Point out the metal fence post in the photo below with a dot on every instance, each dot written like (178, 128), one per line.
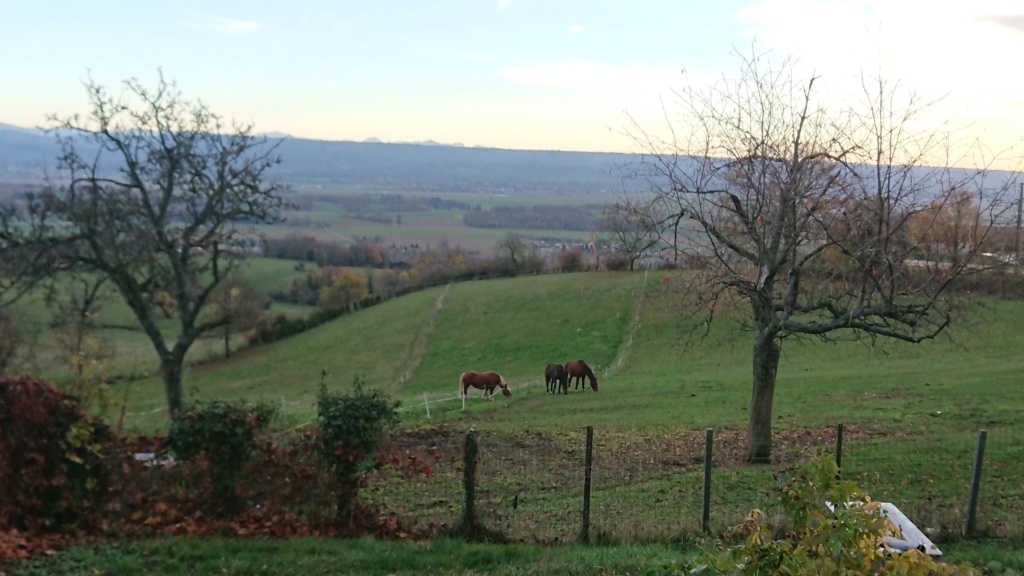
(972, 506)
(839, 451)
(709, 440)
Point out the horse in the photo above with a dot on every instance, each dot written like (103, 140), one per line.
(555, 377)
(486, 381)
(577, 369)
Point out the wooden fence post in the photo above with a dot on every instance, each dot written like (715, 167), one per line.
(709, 440)
(972, 506)
(585, 532)
(469, 460)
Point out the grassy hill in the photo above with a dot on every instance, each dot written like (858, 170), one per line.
(911, 412)
(416, 346)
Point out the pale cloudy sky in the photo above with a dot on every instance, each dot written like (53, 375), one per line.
(527, 74)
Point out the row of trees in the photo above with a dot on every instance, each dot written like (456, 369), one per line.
(553, 217)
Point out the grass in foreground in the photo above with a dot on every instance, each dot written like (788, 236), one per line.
(305, 556)
(302, 556)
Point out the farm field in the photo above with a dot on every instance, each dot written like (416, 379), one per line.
(327, 219)
(911, 413)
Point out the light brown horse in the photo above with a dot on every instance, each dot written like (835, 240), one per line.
(577, 369)
(486, 381)
(555, 378)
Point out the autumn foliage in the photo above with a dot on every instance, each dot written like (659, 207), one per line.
(64, 475)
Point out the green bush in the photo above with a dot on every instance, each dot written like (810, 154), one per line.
(351, 429)
(223, 434)
(817, 540)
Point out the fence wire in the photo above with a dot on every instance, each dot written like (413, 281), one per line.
(649, 485)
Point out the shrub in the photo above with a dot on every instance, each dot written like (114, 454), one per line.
(351, 429)
(51, 468)
(817, 541)
(223, 433)
(571, 260)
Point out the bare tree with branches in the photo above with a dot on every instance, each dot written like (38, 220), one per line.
(634, 227)
(157, 194)
(801, 216)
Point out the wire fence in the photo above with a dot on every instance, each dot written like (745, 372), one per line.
(650, 486)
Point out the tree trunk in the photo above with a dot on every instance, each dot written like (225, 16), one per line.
(170, 369)
(759, 432)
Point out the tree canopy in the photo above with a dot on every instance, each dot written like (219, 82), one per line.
(816, 219)
(157, 194)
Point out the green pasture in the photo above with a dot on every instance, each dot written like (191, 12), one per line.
(129, 352)
(911, 413)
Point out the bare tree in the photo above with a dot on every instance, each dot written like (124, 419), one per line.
(513, 250)
(156, 194)
(634, 226)
(801, 214)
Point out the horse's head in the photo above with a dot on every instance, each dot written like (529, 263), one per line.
(593, 382)
(504, 388)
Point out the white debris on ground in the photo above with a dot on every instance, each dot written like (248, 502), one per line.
(909, 536)
(151, 459)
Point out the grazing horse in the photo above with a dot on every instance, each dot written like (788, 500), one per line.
(486, 381)
(577, 369)
(555, 377)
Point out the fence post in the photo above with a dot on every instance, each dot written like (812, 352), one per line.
(709, 440)
(469, 461)
(427, 404)
(585, 532)
(972, 506)
(839, 452)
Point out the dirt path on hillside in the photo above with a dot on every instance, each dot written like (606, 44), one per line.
(419, 345)
(628, 344)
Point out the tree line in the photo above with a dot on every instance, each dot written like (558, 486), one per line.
(547, 217)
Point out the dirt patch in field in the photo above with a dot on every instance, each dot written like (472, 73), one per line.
(665, 451)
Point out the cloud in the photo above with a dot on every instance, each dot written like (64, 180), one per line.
(583, 74)
(576, 30)
(225, 25)
(1014, 22)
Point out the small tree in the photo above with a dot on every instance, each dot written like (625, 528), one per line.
(156, 194)
(345, 286)
(351, 429)
(633, 226)
(513, 251)
(240, 303)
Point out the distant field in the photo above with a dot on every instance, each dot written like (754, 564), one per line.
(328, 220)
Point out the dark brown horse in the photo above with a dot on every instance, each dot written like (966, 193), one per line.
(577, 369)
(555, 377)
(486, 381)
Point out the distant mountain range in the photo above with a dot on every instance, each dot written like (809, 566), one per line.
(27, 155)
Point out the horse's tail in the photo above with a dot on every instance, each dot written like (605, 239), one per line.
(462, 384)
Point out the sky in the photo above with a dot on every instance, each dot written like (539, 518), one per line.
(519, 74)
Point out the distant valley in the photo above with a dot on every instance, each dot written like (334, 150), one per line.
(28, 155)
